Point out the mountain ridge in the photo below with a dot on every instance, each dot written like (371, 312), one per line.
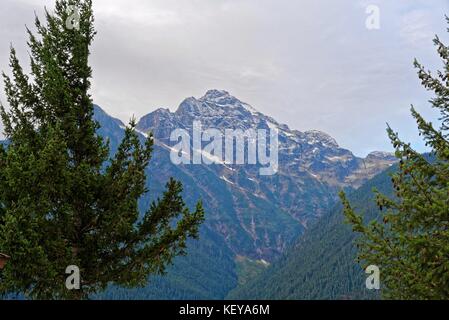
(249, 217)
(219, 109)
(312, 168)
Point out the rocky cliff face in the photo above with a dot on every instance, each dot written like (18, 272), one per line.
(256, 216)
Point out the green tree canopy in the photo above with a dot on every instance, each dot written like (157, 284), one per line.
(410, 243)
(63, 200)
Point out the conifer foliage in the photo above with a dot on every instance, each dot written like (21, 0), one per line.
(63, 200)
(410, 243)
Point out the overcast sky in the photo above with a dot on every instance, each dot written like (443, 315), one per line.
(311, 64)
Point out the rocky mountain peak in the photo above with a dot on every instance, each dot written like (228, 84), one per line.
(380, 155)
(221, 98)
(189, 106)
(314, 152)
(214, 94)
(319, 137)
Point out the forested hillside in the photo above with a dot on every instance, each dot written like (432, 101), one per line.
(322, 264)
(194, 276)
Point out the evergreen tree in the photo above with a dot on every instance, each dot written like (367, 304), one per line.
(410, 243)
(63, 201)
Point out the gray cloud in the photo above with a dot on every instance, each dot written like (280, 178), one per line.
(311, 64)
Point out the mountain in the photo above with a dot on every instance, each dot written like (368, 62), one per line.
(263, 214)
(208, 271)
(322, 263)
(251, 219)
